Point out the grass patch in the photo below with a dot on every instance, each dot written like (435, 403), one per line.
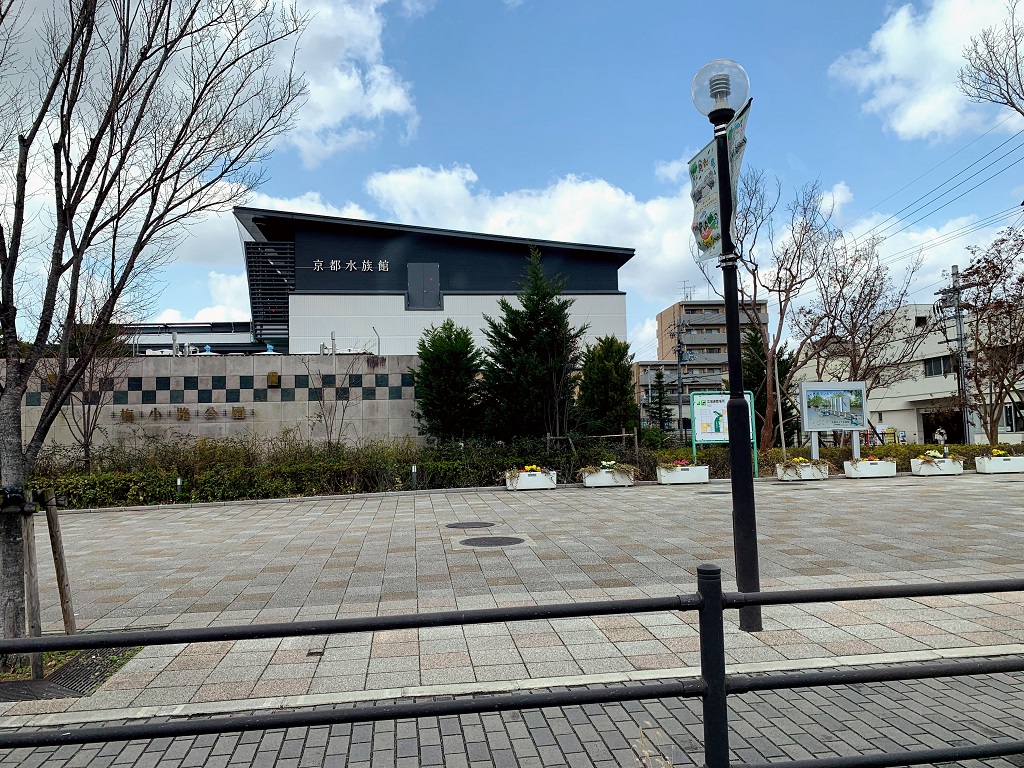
(52, 661)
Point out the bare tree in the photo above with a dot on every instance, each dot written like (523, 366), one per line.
(994, 327)
(857, 328)
(105, 373)
(778, 266)
(331, 399)
(126, 120)
(994, 69)
(107, 369)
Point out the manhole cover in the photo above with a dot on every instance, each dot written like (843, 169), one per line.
(464, 526)
(491, 541)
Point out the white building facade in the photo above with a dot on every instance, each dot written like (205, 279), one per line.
(920, 405)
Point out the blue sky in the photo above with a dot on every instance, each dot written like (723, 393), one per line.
(569, 119)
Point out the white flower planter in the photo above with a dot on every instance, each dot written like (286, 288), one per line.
(936, 467)
(680, 475)
(866, 468)
(803, 472)
(997, 465)
(531, 481)
(605, 478)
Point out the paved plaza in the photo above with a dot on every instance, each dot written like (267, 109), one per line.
(240, 563)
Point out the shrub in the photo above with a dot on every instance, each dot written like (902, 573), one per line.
(146, 471)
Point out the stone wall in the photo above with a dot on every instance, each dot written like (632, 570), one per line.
(219, 396)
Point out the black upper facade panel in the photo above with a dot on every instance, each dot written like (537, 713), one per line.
(335, 255)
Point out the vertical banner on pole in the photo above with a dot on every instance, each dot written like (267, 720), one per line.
(704, 191)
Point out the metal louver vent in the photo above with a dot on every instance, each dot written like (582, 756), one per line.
(271, 270)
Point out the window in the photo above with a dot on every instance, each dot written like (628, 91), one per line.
(714, 350)
(920, 321)
(1013, 418)
(938, 366)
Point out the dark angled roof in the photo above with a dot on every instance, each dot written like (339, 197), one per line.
(268, 225)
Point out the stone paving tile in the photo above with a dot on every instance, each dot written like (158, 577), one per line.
(379, 555)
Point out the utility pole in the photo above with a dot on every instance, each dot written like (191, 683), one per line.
(951, 299)
(677, 331)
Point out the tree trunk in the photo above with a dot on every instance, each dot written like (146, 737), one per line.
(991, 425)
(767, 438)
(12, 545)
(12, 580)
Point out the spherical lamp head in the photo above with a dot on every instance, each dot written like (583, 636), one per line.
(719, 85)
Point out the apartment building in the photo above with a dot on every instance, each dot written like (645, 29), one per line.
(695, 329)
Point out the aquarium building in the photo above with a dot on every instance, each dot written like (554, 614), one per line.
(319, 284)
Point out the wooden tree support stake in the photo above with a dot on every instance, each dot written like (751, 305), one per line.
(32, 612)
(48, 499)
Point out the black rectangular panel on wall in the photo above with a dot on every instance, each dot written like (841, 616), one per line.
(424, 287)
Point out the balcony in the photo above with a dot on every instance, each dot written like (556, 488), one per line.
(718, 318)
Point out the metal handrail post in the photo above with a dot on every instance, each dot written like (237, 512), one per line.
(712, 667)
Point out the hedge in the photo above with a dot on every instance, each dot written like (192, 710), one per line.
(253, 468)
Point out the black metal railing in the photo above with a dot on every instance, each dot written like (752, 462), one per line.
(713, 686)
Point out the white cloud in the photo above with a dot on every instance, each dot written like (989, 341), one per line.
(571, 209)
(836, 199)
(643, 339)
(416, 8)
(909, 68)
(309, 202)
(671, 170)
(351, 89)
(230, 294)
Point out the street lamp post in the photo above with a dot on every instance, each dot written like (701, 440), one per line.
(719, 89)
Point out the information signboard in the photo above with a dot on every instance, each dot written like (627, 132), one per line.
(833, 406)
(709, 419)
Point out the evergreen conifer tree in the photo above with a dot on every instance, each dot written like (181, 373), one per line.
(447, 382)
(658, 413)
(607, 398)
(532, 366)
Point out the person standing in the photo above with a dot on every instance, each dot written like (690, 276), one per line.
(940, 436)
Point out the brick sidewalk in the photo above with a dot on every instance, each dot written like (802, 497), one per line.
(794, 724)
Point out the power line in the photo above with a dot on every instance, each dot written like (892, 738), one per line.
(937, 165)
(936, 188)
(953, 234)
(949, 236)
(926, 245)
(959, 197)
